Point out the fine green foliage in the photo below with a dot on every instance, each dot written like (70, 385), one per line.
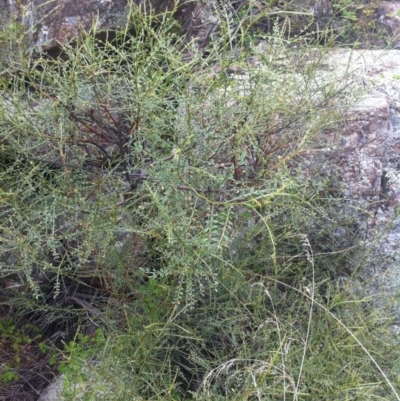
(358, 24)
(164, 200)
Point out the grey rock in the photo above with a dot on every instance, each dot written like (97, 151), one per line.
(53, 391)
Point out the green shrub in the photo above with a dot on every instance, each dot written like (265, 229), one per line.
(165, 201)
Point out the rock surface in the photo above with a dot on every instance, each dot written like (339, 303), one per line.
(363, 158)
(53, 391)
(51, 23)
(371, 172)
(388, 14)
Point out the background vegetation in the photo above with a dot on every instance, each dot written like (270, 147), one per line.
(159, 237)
